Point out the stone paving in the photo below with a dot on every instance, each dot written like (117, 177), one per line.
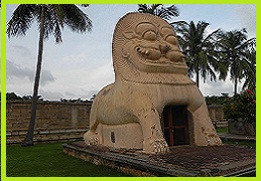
(210, 161)
(225, 160)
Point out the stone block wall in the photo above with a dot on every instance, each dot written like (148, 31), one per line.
(55, 121)
(59, 121)
(216, 114)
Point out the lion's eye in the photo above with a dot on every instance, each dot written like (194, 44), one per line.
(150, 36)
(172, 40)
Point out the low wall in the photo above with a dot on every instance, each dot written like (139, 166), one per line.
(59, 121)
(54, 121)
(216, 114)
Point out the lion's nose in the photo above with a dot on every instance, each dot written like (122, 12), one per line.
(163, 48)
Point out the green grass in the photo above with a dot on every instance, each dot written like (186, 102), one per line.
(48, 160)
(222, 130)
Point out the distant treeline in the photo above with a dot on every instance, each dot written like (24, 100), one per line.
(14, 97)
(218, 100)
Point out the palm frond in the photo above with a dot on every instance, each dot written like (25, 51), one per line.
(143, 8)
(21, 20)
(67, 15)
(75, 19)
(168, 12)
(55, 18)
(159, 10)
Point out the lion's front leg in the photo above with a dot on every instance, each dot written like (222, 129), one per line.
(156, 146)
(153, 140)
(92, 138)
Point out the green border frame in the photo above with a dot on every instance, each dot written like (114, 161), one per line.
(3, 82)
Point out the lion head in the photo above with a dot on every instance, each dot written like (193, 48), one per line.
(146, 50)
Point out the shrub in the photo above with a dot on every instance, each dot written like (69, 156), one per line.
(242, 106)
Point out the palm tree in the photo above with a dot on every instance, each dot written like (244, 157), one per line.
(250, 72)
(238, 52)
(199, 49)
(159, 10)
(51, 19)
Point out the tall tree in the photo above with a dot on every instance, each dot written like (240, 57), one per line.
(51, 19)
(159, 10)
(199, 49)
(239, 52)
(250, 72)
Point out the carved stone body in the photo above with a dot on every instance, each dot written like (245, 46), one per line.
(150, 74)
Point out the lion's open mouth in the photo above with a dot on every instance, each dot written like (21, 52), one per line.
(154, 55)
(149, 53)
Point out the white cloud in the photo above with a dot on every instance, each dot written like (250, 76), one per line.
(21, 50)
(20, 54)
(247, 15)
(79, 82)
(16, 71)
(49, 95)
(210, 88)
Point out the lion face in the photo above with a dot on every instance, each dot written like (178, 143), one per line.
(153, 48)
(157, 46)
(146, 50)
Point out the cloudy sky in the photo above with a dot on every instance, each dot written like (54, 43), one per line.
(82, 64)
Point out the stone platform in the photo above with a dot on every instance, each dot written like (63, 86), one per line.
(225, 160)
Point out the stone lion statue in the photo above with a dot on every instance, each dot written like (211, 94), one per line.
(150, 74)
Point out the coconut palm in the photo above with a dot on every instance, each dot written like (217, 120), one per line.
(239, 53)
(51, 19)
(250, 72)
(159, 10)
(199, 49)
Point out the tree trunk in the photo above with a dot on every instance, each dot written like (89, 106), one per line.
(28, 141)
(235, 86)
(197, 77)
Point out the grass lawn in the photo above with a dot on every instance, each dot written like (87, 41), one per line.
(222, 130)
(48, 160)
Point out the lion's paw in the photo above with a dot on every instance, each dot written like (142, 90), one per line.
(157, 146)
(91, 138)
(94, 140)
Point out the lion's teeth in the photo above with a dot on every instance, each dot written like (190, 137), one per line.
(143, 51)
